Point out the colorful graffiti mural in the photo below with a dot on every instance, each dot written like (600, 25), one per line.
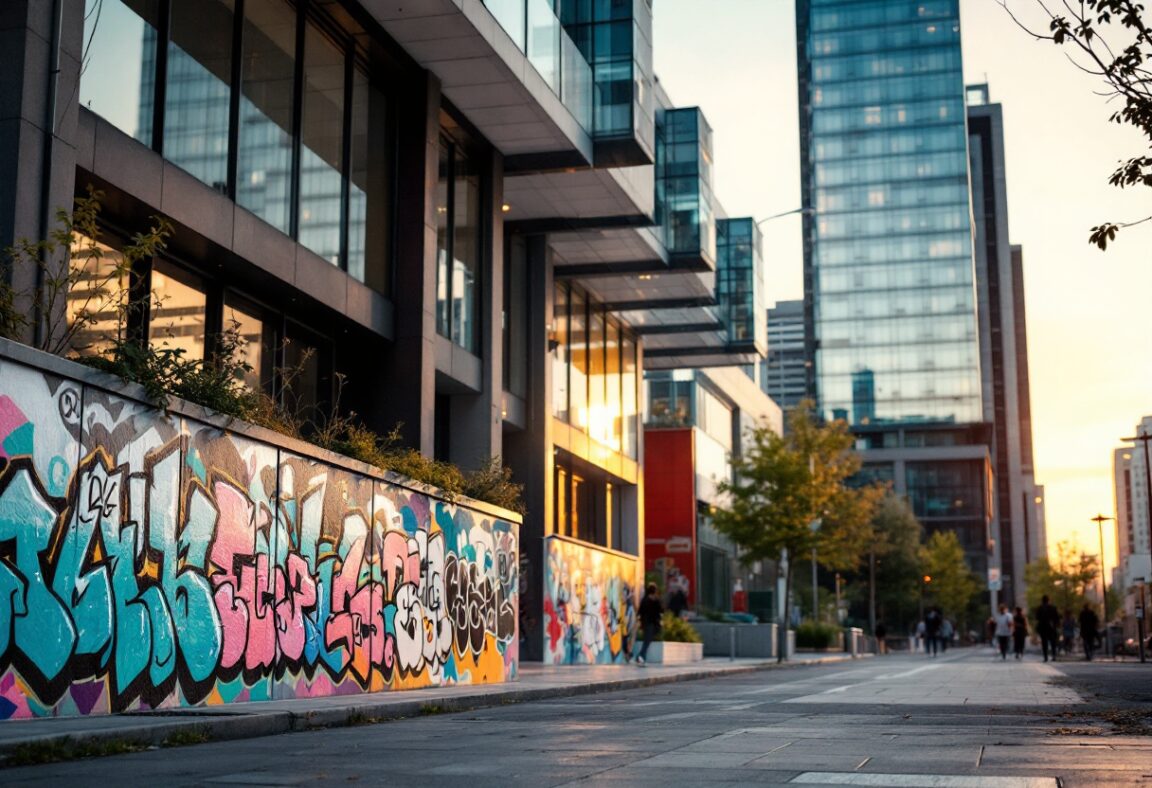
(149, 560)
(589, 604)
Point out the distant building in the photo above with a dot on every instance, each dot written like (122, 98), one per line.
(784, 376)
(913, 297)
(1130, 483)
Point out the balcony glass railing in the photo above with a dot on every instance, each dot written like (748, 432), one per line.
(537, 32)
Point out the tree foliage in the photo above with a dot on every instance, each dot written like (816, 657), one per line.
(896, 541)
(784, 485)
(952, 585)
(1110, 40)
(1066, 583)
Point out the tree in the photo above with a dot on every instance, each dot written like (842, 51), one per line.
(1067, 583)
(896, 535)
(947, 579)
(1110, 39)
(788, 495)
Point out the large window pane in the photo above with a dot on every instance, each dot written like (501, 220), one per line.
(178, 311)
(578, 337)
(613, 407)
(370, 187)
(99, 291)
(250, 327)
(198, 89)
(119, 77)
(516, 318)
(322, 145)
(599, 422)
(466, 254)
(560, 355)
(264, 175)
(628, 384)
(443, 237)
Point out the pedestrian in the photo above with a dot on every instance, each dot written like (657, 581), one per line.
(947, 632)
(1003, 630)
(881, 633)
(1048, 627)
(1089, 624)
(932, 631)
(650, 612)
(1019, 632)
(1068, 629)
(678, 602)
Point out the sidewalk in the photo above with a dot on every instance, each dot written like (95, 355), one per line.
(61, 738)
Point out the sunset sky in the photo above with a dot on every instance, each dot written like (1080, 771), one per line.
(1089, 338)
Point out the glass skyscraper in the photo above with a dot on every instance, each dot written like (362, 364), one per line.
(890, 298)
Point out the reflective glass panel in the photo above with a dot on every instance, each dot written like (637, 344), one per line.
(466, 254)
(178, 311)
(250, 327)
(560, 356)
(443, 237)
(578, 380)
(268, 68)
(119, 77)
(198, 89)
(370, 187)
(99, 289)
(322, 145)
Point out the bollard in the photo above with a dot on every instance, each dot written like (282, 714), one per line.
(731, 643)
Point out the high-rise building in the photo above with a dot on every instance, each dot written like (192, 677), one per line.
(783, 371)
(1133, 507)
(914, 324)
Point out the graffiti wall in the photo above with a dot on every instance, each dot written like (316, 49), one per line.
(590, 602)
(151, 560)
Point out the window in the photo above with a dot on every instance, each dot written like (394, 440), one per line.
(296, 130)
(578, 370)
(458, 239)
(99, 289)
(516, 318)
(198, 89)
(560, 354)
(268, 68)
(246, 320)
(118, 81)
(178, 311)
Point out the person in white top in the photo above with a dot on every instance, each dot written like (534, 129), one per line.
(1004, 626)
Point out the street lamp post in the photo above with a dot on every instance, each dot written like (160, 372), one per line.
(1100, 520)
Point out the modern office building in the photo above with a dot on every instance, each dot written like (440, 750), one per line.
(1130, 477)
(480, 221)
(783, 371)
(908, 339)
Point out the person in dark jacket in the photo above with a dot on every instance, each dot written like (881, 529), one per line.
(1048, 626)
(1019, 632)
(650, 612)
(1089, 624)
(678, 602)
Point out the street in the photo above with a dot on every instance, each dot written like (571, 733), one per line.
(962, 719)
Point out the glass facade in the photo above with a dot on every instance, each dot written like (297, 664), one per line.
(890, 269)
(740, 285)
(458, 247)
(684, 184)
(611, 38)
(279, 139)
(594, 372)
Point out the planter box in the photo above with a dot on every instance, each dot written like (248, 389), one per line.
(675, 653)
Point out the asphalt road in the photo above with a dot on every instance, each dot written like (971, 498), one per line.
(962, 719)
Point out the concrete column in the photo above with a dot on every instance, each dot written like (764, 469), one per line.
(529, 452)
(475, 419)
(411, 390)
(41, 44)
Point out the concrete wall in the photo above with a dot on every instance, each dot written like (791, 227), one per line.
(156, 559)
(590, 601)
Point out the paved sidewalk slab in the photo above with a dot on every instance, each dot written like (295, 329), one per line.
(268, 718)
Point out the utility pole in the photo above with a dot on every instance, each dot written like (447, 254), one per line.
(1100, 520)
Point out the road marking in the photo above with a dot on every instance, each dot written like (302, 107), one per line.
(922, 780)
(908, 673)
(860, 765)
(838, 689)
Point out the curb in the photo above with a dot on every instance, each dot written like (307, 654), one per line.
(144, 730)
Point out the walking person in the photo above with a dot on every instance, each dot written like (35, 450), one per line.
(650, 612)
(1003, 630)
(1089, 626)
(1068, 628)
(932, 623)
(947, 632)
(1019, 632)
(1048, 627)
(881, 633)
